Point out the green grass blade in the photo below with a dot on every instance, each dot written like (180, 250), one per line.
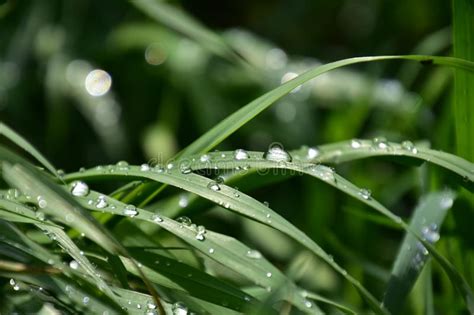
(463, 34)
(25, 145)
(239, 118)
(227, 196)
(412, 256)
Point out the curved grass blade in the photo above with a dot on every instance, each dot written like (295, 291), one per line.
(56, 202)
(234, 200)
(226, 250)
(239, 118)
(346, 151)
(25, 145)
(412, 256)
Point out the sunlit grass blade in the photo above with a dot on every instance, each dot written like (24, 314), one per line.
(412, 256)
(25, 145)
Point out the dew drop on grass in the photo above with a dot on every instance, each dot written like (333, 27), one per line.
(201, 230)
(144, 167)
(122, 166)
(85, 300)
(277, 154)
(409, 146)
(364, 193)
(79, 189)
(183, 201)
(430, 233)
(380, 143)
(130, 211)
(205, 158)
(179, 309)
(269, 274)
(42, 203)
(98, 82)
(170, 166)
(184, 220)
(324, 172)
(156, 218)
(290, 76)
(312, 153)
(214, 186)
(308, 303)
(211, 250)
(356, 144)
(101, 202)
(241, 154)
(74, 264)
(185, 169)
(254, 254)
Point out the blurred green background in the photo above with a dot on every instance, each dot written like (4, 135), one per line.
(168, 89)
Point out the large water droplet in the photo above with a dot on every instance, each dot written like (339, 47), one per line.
(130, 211)
(214, 186)
(184, 220)
(122, 166)
(79, 189)
(290, 76)
(277, 154)
(364, 193)
(98, 82)
(101, 202)
(240, 154)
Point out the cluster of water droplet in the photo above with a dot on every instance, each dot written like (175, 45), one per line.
(200, 230)
(431, 235)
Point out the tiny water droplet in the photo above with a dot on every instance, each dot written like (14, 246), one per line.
(144, 167)
(201, 230)
(312, 153)
(380, 143)
(241, 154)
(185, 169)
(86, 300)
(409, 146)
(42, 203)
(213, 185)
(430, 234)
(130, 211)
(269, 274)
(183, 201)
(205, 158)
(179, 308)
(277, 154)
(79, 189)
(184, 220)
(308, 304)
(211, 250)
(254, 254)
(101, 202)
(356, 144)
(364, 193)
(74, 264)
(156, 218)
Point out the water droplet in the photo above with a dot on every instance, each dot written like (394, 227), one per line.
(214, 186)
(179, 309)
(364, 193)
(101, 202)
(422, 248)
(169, 166)
(86, 300)
(308, 304)
(98, 82)
(290, 76)
(254, 254)
(430, 233)
(150, 306)
(409, 146)
(184, 220)
(205, 158)
(42, 203)
(144, 167)
(74, 264)
(277, 154)
(158, 169)
(122, 166)
(269, 274)
(156, 218)
(201, 230)
(356, 144)
(185, 169)
(380, 143)
(130, 211)
(79, 189)
(183, 201)
(446, 202)
(312, 153)
(211, 250)
(324, 172)
(240, 154)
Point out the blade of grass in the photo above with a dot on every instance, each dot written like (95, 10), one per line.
(411, 258)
